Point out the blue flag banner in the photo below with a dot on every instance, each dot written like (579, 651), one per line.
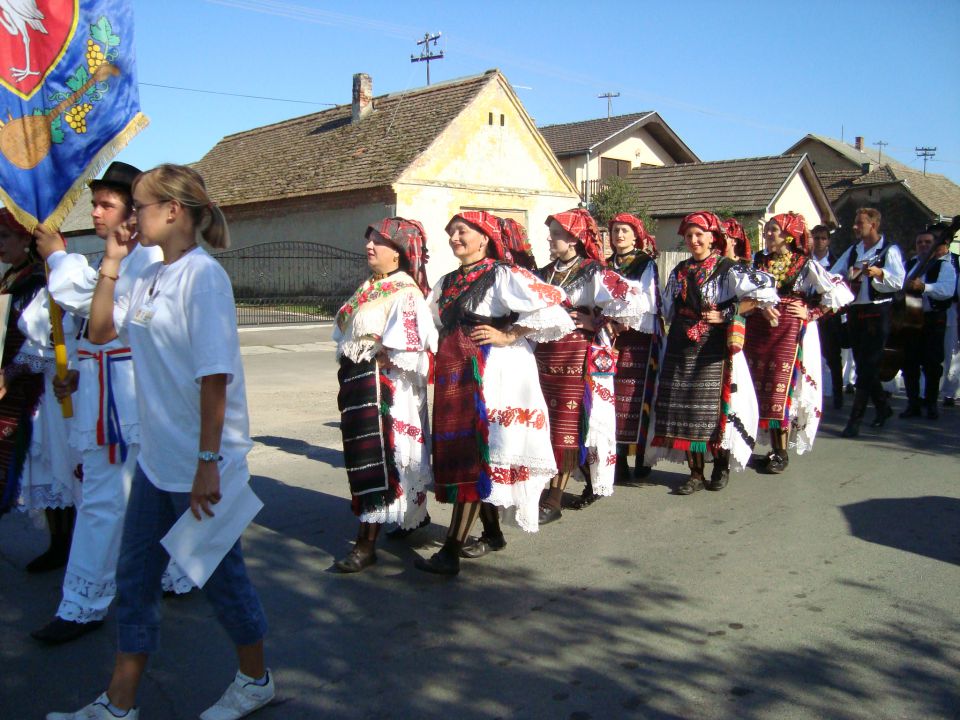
(68, 100)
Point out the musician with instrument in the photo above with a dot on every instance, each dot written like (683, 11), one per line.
(874, 269)
(930, 277)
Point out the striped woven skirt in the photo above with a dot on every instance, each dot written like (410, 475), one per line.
(364, 400)
(561, 367)
(771, 354)
(633, 387)
(690, 389)
(16, 428)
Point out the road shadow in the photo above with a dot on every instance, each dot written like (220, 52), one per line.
(330, 456)
(928, 526)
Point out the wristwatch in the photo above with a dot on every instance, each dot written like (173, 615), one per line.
(209, 456)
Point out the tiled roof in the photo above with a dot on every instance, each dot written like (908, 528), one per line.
(836, 182)
(858, 157)
(578, 137)
(325, 152)
(744, 185)
(936, 192)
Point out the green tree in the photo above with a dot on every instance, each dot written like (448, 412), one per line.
(617, 196)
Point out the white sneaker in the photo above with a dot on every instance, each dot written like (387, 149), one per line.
(240, 699)
(97, 710)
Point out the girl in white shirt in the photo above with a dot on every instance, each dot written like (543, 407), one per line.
(180, 322)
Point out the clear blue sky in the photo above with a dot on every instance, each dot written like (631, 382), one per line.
(733, 79)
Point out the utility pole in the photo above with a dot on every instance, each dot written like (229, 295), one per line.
(926, 153)
(425, 55)
(609, 97)
(880, 144)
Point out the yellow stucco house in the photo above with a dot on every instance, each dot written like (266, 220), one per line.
(424, 154)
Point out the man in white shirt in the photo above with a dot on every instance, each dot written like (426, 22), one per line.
(874, 269)
(931, 277)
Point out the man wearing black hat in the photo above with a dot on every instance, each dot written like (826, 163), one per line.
(105, 431)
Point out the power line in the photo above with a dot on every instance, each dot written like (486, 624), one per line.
(249, 97)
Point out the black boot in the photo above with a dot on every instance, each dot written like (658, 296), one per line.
(60, 524)
(883, 414)
(912, 411)
(446, 561)
(720, 475)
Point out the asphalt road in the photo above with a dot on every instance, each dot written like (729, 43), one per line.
(831, 591)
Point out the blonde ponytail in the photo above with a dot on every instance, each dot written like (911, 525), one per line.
(186, 186)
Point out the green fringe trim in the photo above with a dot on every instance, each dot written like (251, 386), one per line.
(698, 447)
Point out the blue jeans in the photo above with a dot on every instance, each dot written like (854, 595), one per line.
(150, 514)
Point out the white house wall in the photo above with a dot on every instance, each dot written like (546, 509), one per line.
(797, 197)
(638, 148)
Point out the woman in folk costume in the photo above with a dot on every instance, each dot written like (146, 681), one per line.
(576, 371)
(737, 245)
(634, 254)
(784, 354)
(491, 438)
(37, 467)
(705, 400)
(384, 335)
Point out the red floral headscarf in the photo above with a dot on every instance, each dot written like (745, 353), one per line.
(707, 221)
(408, 238)
(741, 241)
(644, 241)
(579, 223)
(517, 245)
(795, 227)
(486, 223)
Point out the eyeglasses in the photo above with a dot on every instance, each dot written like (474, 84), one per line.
(137, 207)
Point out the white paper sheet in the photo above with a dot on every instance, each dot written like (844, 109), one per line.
(198, 546)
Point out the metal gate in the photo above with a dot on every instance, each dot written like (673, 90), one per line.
(288, 282)
(291, 282)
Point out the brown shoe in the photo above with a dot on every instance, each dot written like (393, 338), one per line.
(355, 561)
(692, 485)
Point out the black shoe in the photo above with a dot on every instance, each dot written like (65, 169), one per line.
(586, 499)
(443, 562)
(719, 478)
(549, 515)
(932, 412)
(399, 533)
(852, 429)
(59, 631)
(691, 486)
(356, 560)
(883, 413)
(483, 545)
(850, 389)
(912, 411)
(642, 472)
(776, 463)
(621, 473)
(52, 559)
(949, 402)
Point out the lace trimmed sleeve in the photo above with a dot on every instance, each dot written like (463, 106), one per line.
(538, 304)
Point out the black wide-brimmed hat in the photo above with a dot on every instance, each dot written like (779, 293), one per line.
(119, 175)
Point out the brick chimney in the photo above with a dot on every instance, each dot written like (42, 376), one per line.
(857, 141)
(362, 96)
